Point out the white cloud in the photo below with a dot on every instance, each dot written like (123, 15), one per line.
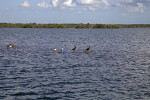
(105, 2)
(69, 3)
(91, 5)
(130, 5)
(55, 3)
(138, 8)
(120, 3)
(123, 1)
(87, 2)
(128, 1)
(94, 5)
(141, 7)
(43, 5)
(25, 4)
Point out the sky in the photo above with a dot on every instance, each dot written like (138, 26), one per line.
(75, 11)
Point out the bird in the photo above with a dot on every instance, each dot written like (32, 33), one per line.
(62, 50)
(55, 51)
(10, 45)
(74, 49)
(87, 50)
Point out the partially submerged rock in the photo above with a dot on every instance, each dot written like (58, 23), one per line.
(87, 52)
(10, 45)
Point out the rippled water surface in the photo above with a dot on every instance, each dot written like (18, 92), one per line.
(118, 67)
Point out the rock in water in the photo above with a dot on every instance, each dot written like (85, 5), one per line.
(87, 51)
(10, 45)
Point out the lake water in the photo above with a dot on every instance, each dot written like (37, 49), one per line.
(118, 67)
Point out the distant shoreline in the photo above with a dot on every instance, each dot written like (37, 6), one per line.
(81, 25)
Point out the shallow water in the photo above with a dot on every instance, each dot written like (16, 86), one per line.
(118, 67)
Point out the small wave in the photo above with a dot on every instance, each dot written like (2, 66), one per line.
(49, 98)
(99, 57)
(70, 83)
(147, 94)
(24, 93)
(2, 97)
(9, 66)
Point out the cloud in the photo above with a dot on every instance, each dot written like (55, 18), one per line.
(124, 1)
(138, 8)
(94, 5)
(91, 5)
(55, 3)
(128, 1)
(130, 5)
(25, 4)
(94, 2)
(69, 3)
(105, 4)
(120, 3)
(87, 2)
(43, 5)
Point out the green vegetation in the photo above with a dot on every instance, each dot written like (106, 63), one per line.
(81, 25)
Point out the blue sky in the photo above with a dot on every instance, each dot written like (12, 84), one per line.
(75, 11)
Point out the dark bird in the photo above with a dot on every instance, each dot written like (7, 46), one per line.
(88, 48)
(74, 48)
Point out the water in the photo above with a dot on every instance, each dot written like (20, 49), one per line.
(118, 67)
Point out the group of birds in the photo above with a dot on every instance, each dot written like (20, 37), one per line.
(86, 50)
(74, 50)
(56, 51)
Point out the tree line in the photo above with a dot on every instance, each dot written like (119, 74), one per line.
(81, 25)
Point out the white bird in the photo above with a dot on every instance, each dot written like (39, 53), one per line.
(62, 49)
(55, 51)
(10, 45)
